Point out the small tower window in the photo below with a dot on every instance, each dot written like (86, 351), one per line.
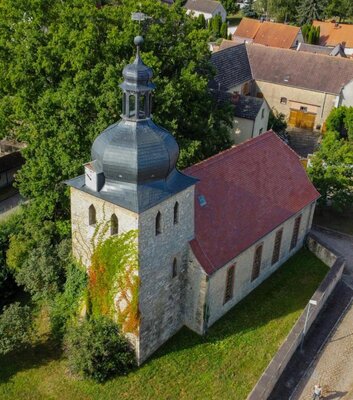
(176, 213)
(142, 106)
(158, 223)
(175, 268)
(114, 225)
(124, 103)
(92, 218)
(132, 105)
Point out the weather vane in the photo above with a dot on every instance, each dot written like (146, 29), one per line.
(140, 16)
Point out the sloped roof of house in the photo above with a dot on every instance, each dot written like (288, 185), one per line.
(206, 6)
(246, 107)
(329, 51)
(331, 33)
(299, 69)
(267, 33)
(247, 28)
(232, 67)
(249, 190)
(225, 44)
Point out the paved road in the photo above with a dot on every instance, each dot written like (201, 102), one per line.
(328, 351)
(333, 368)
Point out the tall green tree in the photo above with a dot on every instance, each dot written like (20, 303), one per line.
(310, 10)
(331, 167)
(343, 9)
(61, 64)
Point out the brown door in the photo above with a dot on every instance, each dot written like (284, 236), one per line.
(302, 119)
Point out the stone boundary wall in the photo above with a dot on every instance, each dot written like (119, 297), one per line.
(336, 262)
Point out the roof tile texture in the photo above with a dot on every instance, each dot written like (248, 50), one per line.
(268, 33)
(299, 69)
(249, 189)
(332, 34)
(207, 6)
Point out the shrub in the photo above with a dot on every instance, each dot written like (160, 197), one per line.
(65, 306)
(96, 349)
(15, 327)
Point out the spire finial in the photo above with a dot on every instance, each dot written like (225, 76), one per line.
(138, 42)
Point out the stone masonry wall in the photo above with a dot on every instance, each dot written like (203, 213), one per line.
(162, 297)
(82, 232)
(196, 292)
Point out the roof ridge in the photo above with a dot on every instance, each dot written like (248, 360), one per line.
(247, 143)
(303, 53)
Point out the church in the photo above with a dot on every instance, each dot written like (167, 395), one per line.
(206, 236)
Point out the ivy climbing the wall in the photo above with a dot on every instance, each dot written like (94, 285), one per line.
(113, 280)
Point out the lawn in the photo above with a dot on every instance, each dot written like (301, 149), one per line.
(224, 364)
(234, 20)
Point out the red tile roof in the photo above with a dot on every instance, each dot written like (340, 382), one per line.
(332, 34)
(267, 33)
(249, 190)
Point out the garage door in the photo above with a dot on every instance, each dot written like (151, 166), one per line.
(302, 119)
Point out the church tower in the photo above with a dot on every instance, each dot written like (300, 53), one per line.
(132, 183)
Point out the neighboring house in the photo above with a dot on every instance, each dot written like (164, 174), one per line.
(268, 34)
(206, 237)
(9, 165)
(337, 51)
(209, 8)
(250, 115)
(303, 86)
(332, 34)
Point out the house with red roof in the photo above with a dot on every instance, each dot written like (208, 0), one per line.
(268, 33)
(254, 206)
(205, 236)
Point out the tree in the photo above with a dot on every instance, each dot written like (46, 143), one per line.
(95, 349)
(343, 9)
(224, 31)
(231, 6)
(280, 10)
(15, 327)
(216, 23)
(61, 64)
(331, 167)
(277, 122)
(310, 10)
(311, 34)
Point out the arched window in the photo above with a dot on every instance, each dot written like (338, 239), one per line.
(158, 223)
(132, 105)
(92, 218)
(176, 213)
(175, 268)
(114, 225)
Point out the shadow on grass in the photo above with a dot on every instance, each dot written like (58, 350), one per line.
(32, 357)
(287, 291)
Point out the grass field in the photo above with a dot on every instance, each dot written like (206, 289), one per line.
(224, 364)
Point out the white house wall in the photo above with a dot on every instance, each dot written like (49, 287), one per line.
(347, 95)
(261, 122)
(242, 130)
(244, 264)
